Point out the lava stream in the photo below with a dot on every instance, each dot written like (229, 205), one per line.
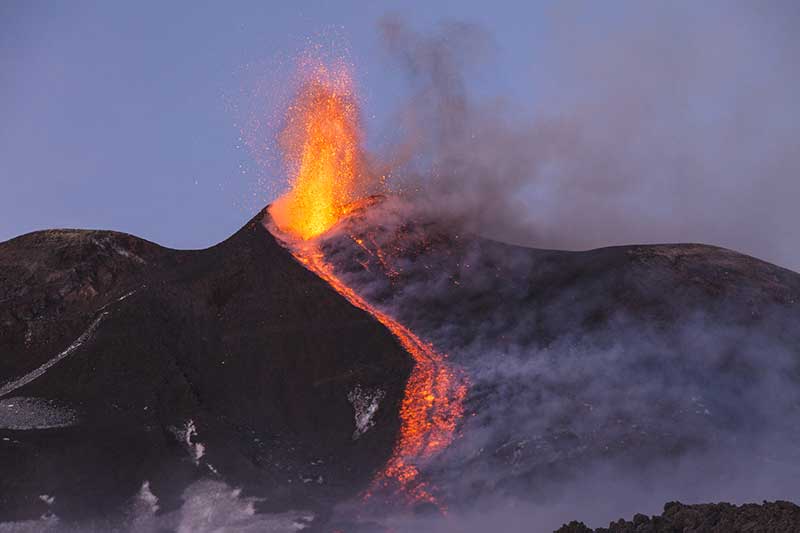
(321, 144)
(433, 401)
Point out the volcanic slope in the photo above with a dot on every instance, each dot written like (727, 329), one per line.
(668, 371)
(674, 366)
(125, 363)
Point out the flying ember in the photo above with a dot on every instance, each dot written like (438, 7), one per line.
(321, 144)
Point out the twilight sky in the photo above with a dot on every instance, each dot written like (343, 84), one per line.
(124, 115)
(128, 116)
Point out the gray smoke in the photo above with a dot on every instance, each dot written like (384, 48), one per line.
(601, 384)
(670, 122)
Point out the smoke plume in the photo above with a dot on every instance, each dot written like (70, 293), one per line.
(666, 123)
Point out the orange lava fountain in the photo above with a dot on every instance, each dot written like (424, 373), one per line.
(322, 145)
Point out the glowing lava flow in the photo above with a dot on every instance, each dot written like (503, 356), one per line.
(433, 401)
(321, 143)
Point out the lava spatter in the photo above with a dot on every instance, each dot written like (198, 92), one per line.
(321, 145)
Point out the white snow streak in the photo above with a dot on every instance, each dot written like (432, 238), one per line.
(10, 387)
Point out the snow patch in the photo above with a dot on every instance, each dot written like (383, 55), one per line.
(22, 413)
(365, 404)
(188, 436)
(127, 254)
(107, 240)
(84, 337)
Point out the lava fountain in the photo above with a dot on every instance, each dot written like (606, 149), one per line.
(321, 147)
(321, 144)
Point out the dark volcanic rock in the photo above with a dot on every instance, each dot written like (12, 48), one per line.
(669, 371)
(672, 370)
(771, 517)
(123, 362)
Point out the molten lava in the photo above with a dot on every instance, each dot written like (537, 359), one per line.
(321, 147)
(433, 401)
(321, 143)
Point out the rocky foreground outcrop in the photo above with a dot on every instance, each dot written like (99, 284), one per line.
(770, 517)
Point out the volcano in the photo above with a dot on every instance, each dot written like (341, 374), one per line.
(357, 358)
(132, 373)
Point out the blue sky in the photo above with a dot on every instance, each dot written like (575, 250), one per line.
(125, 115)
(682, 115)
